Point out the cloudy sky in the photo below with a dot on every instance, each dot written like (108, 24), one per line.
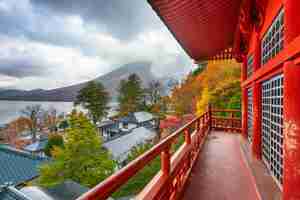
(53, 43)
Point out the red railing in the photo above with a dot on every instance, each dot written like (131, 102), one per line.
(226, 120)
(169, 182)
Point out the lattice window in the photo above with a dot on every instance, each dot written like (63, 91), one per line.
(250, 65)
(250, 114)
(273, 40)
(272, 126)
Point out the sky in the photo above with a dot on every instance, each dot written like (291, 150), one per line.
(54, 43)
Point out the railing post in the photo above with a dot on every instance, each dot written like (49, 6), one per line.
(209, 117)
(232, 121)
(166, 161)
(187, 136)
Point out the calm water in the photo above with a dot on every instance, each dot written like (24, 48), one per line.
(10, 110)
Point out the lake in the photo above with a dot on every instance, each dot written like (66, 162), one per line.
(10, 110)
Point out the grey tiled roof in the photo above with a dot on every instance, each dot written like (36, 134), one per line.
(120, 147)
(143, 116)
(69, 190)
(10, 193)
(18, 166)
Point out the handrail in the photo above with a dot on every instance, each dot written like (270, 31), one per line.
(173, 167)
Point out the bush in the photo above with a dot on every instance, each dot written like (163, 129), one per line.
(54, 140)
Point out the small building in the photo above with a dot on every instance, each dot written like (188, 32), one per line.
(138, 119)
(108, 129)
(37, 148)
(121, 147)
(18, 167)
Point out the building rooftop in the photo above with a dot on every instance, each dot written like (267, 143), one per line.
(137, 117)
(11, 193)
(36, 146)
(68, 190)
(18, 166)
(143, 116)
(120, 147)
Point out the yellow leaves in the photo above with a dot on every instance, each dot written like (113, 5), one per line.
(203, 101)
(216, 76)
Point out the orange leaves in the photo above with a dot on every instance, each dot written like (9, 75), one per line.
(195, 92)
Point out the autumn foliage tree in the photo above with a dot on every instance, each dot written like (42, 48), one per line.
(216, 83)
(54, 140)
(82, 159)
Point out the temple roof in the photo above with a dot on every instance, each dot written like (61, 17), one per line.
(204, 28)
(18, 166)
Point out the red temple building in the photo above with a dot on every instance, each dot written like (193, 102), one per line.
(263, 35)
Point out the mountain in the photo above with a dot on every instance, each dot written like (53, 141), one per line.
(110, 81)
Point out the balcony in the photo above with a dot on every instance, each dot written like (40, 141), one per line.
(212, 163)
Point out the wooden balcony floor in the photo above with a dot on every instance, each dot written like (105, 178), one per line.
(221, 172)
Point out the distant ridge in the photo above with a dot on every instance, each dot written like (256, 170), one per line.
(110, 81)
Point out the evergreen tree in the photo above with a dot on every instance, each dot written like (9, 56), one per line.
(63, 125)
(83, 159)
(131, 95)
(94, 98)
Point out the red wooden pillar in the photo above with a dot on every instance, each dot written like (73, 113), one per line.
(244, 99)
(244, 112)
(291, 103)
(244, 69)
(257, 52)
(256, 138)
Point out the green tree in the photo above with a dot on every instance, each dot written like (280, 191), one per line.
(82, 160)
(94, 98)
(64, 124)
(141, 179)
(131, 95)
(54, 140)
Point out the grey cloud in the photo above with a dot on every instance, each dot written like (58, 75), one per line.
(112, 33)
(21, 68)
(121, 18)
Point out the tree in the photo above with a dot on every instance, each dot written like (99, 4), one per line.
(51, 119)
(54, 140)
(131, 95)
(82, 160)
(142, 178)
(63, 125)
(34, 113)
(213, 83)
(16, 127)
(154, 91)
(94, 98)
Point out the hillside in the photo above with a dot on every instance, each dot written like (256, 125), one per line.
(110, 81)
